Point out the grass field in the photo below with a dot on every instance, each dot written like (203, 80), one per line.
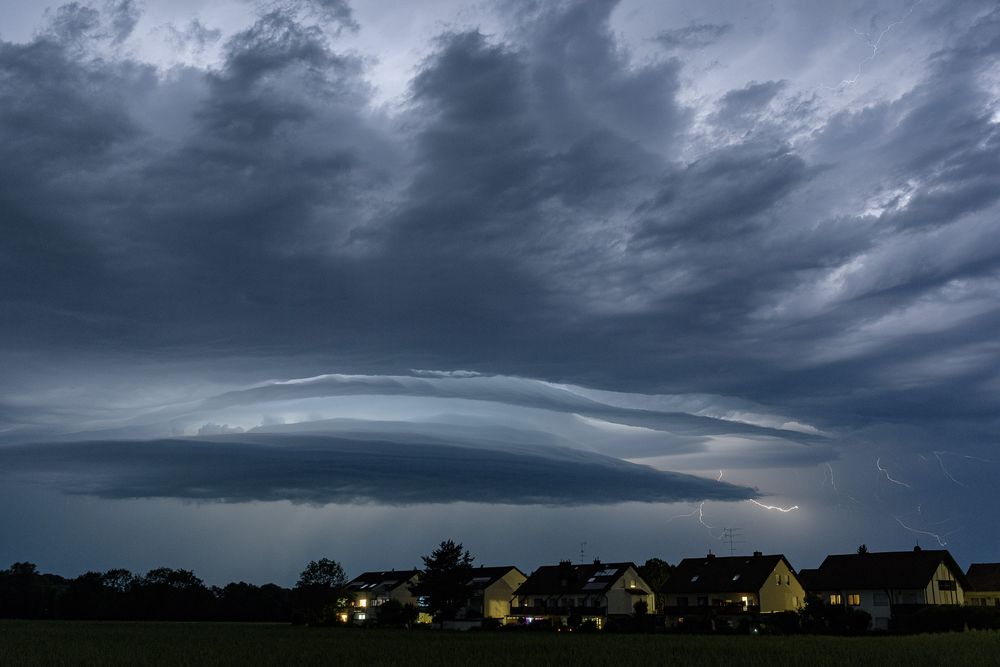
(80, 643)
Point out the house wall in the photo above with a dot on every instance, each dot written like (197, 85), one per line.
(497, 596)
(621, 602)
(673, 599)
(982, 598)
(933, 593)
(776, 595)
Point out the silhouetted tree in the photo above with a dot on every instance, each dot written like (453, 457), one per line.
(172, 595)
(394, 614)
(863, 549)
(445, 580)
(320, 593)
(655, 572)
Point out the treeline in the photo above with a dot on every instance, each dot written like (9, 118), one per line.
(162, 594)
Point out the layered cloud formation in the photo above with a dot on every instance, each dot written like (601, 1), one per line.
(752, 239)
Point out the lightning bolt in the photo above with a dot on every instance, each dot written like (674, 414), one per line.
(684, 516)
(878, 465)
(947, 474)
(874, 44)
(701, 520)
(783, 510)
(937, 537)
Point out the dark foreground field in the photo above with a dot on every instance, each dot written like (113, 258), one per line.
(83, 643)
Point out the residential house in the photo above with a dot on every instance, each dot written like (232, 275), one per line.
(984, 585)
(888, 582)
(730, 585)
(492, 590)
(568, 594)
(370, 590)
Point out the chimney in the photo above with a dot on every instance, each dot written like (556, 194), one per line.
(597, 561)
(917, 548)
(710, 555)
(757, 554)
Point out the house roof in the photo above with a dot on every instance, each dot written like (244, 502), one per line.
(380, 582)
(484, 577)
(566, 578)
(882, 570)
(722, 574)
(984, 577)
(807, 577)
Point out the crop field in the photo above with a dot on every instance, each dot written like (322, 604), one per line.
(111, 643)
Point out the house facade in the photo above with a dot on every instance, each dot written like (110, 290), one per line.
(568, 594)
(984, 585)
(492, 591)
(884, 583)
(730, 585)
(370, 590)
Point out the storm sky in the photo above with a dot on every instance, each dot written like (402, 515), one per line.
(283, 280)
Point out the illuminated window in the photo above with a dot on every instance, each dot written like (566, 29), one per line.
(361, 617)
(787, 580)
(835, 598)
(363, 602)
(632, 584)
(854, 599)
(795, 601)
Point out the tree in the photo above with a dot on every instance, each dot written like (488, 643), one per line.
(655, 572)
(863, 549)
(444, 581)
(324, 573)
(320, 593)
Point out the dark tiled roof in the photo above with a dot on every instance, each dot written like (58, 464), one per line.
(807, 577)
(566, 578)
(484, 577)
(984, 577)
(380, 581)
(883, 570)
(718, 574)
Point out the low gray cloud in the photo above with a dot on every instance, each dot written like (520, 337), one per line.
(325, 469)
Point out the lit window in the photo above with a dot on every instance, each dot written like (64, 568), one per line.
(854, 599)
(363, 602)
(835, 598)
(631, 583)
(795, 601)
(787, 580)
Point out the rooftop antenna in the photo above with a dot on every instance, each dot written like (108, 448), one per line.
(731, 536)
(583, 551)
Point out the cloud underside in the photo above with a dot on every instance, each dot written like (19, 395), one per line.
(323, 470)
(543, 203)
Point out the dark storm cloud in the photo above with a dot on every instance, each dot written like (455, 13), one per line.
(324, 469)
(543, 204)
(741, 107)
(694, 35)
